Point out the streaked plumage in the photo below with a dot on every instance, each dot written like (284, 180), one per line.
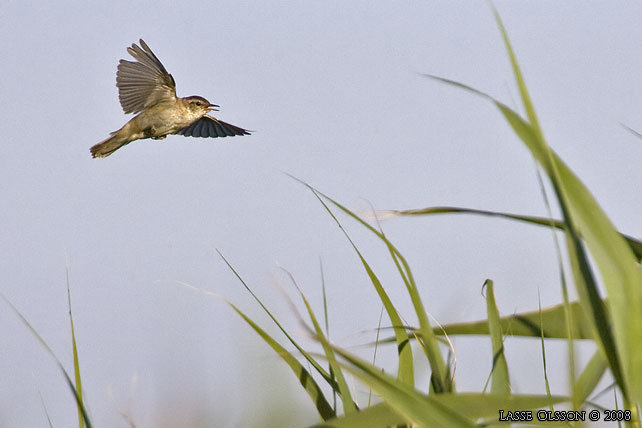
(145, 87)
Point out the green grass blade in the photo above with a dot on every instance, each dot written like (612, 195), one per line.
(570, 326)
(70, 383)
(77, 377)
(327, 376)
(500, 383)
(590, 376)
(440, 377)
(618, 267)
(305, 379)
(447, 409)
(613, 257)
(79, 402)
(487, 406)
(543, 346)
(551, 324)
(521, 84)
(584, 280)
(405, 371)
(594, 308)
(631, 130)
(472, 405)
(374, 353)
(349, 405)
(406, 367)
(414, 407)
(327, 328)
(379, 415)
(326, 321)
(42, 401)
(635, 244)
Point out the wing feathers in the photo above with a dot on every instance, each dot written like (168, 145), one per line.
(143, 83)
(210, 127)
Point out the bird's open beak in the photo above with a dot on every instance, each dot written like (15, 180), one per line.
(212, 107)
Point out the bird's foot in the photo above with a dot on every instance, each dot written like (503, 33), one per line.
(151, 133)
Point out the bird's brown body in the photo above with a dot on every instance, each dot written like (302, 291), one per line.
(145, 87)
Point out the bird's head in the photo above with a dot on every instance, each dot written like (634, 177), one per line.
(197, 104)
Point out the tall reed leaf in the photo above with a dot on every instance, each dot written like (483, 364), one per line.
(613, 257)
(616, 262)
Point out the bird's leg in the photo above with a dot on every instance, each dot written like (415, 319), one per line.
(151, 133)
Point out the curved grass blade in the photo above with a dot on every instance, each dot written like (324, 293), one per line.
(349, 405)
(414, 407)
(449, 409)
(79, 402)
(328, 378)
(440, 376)
(635, 244)
(631, 130)
(406, 366)
(323, 407)
(529, 324)
(305, 379)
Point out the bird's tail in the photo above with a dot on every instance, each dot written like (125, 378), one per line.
(109, 146)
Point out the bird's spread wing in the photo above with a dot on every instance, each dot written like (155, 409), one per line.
(208, 126)
(143, 83)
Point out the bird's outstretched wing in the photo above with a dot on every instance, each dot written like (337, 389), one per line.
(210, 127)
(143, 83)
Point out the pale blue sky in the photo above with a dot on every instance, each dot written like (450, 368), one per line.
(334, 94)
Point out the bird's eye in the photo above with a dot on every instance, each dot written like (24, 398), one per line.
(198, 103)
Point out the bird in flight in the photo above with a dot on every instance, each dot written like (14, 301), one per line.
(145, 87)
